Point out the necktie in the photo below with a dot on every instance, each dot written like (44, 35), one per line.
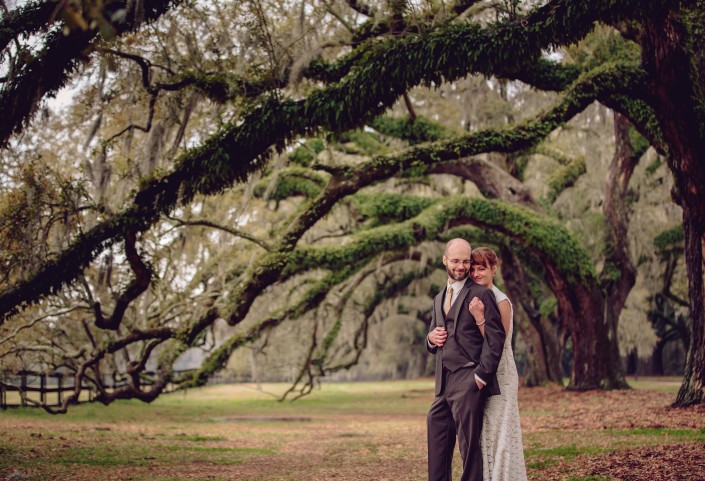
(449, 299)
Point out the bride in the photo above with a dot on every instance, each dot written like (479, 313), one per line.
(502, 449)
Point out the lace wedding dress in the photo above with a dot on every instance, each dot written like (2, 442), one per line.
(502, 448)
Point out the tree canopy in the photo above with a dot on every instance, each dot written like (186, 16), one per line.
(268, 130)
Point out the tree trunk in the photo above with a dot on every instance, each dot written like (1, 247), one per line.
(672, 59)
(657, 358)
(619, 274)
(535, 373)
(542, 345)
(582, 308)
(692, 390)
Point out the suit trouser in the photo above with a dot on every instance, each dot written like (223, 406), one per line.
(456, 411)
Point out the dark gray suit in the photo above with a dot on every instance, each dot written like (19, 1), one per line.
(458, 405)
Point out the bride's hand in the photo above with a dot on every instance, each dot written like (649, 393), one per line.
(477, 308)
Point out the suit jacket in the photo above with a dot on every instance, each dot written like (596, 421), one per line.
(484, 351)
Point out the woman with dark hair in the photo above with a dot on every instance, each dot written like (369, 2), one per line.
(502, 447)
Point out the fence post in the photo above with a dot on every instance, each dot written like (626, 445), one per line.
(23, 388)
(59, 382)
(43, 388)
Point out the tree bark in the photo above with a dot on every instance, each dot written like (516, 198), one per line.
(582, 308)
(670, 57)
(619, 274)
(692, 390)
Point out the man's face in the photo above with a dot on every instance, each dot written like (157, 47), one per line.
(457, 261)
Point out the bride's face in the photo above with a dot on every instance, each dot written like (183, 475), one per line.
(482, 274)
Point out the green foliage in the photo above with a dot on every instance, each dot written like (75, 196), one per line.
(222, 87)
(291, 182)
(60, 54)
(643, 118)
(554, 153)
(670, 238)
(610, 273)
(305, 154)
(384, 292)
(385, 70)
(320, 69)
(604, 44)
(414, 131)
(475, 236)
(546, 238)
(563, 178)
(360, 142)
(309, 301)
(521, 162)
(384, 208)
(36, 218)
(548, 307)
(653, 166)
(694, 23)
(367, 82)
(640, 144)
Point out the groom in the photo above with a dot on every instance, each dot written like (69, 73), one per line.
(466, 363)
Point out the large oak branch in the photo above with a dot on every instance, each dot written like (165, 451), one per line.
(162, 194)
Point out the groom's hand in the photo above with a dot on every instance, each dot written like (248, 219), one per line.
(438, 336)
(479, 385)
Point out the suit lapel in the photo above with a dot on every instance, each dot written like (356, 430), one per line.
(458, 305)
(438, 306)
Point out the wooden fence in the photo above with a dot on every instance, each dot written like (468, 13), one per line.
(19, 390)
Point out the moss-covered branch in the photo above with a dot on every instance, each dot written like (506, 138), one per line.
(547, 238)
(160, 195)
(310, 300)
(414, 131)
(564, 177)
(384, 208)
(47, 71)
(25, 20)
(316, 363)
(291, 182)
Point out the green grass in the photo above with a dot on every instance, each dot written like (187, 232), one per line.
(199, 426)
(206, 405)
(199, 439)
(694, 435)
(543, 458)
(240, 432)
(666, 384)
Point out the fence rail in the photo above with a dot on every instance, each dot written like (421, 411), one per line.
(20, 390)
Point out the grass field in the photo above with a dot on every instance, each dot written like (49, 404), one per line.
(345, 431)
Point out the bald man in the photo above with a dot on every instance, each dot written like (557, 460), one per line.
(466, 366)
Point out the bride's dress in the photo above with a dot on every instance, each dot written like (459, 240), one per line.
(502, 449)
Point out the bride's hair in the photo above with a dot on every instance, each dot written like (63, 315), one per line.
(484, 256)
